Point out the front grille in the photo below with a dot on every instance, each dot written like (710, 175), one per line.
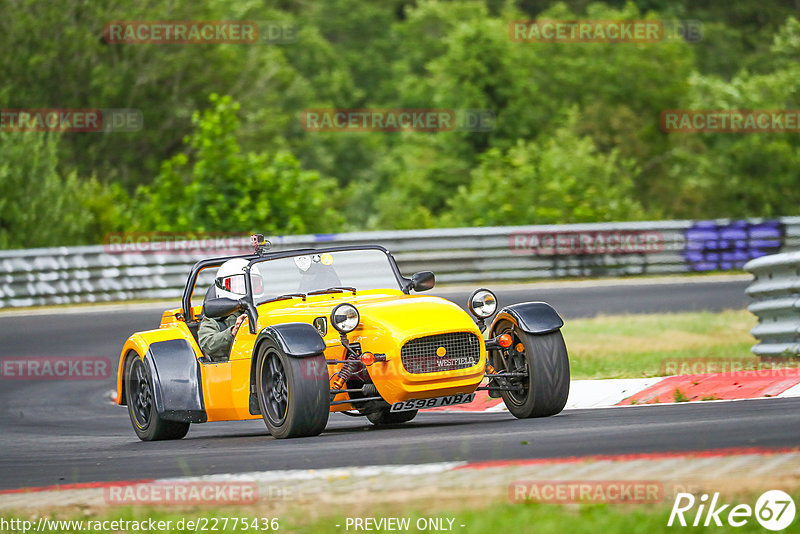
(419, 356)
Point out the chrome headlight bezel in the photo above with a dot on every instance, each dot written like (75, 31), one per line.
(351, 318)
(482, 303)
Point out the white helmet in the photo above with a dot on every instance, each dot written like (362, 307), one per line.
(229, 282)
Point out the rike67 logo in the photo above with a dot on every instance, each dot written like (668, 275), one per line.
(774, 510)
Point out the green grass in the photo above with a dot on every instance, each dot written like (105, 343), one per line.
(497, 517)
(680, 396)
(637, 346)
(554, 519)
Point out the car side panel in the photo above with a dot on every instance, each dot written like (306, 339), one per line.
(228, 383)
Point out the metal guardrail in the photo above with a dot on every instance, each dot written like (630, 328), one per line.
(109, 273)
(776, 287)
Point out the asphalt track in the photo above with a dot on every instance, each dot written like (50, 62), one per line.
(62, 432)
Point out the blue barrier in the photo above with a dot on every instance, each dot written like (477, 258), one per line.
(711, 246)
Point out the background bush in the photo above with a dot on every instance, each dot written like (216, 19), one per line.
(576, 136)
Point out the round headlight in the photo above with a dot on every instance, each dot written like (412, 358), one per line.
(344, 318)
(482, 303)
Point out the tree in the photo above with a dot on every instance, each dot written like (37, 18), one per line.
(218, 187)
(741, 174)
(559, 178)
(40, 208)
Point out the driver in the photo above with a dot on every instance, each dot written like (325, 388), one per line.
(216, 335)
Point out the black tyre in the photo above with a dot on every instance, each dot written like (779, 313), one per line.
(293, 397)
(385, 417)
(139, 396)
(544, 358)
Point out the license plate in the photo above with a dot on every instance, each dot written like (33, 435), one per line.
(436, 402)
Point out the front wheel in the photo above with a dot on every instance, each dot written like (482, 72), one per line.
(147, 424)
(293, 397)
(543, 358)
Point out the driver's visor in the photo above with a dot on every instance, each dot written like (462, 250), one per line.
(235, 284)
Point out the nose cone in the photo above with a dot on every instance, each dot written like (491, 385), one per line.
(387, 326)
(414, 316)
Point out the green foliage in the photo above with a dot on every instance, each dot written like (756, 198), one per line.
(679, 396)
(749, 174)
(62, 61)
(39, 207)
(558, 179)
(576, 136)
(219, 187)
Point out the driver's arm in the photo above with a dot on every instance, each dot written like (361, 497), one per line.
(215, 343)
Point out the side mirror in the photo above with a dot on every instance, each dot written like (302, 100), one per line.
(423, 281)
(221, 307)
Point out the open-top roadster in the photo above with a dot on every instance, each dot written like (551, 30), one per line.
(338, 330)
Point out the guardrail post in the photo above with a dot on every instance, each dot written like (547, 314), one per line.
(776, 288)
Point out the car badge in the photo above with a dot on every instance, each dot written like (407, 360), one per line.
(441, 351)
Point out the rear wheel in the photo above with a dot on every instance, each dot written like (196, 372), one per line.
(141, 408)
(543, 358)
(294, 401)
(385, 417)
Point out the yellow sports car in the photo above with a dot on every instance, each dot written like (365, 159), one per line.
(336, 330)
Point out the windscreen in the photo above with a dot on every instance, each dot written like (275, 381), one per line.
(304, 273)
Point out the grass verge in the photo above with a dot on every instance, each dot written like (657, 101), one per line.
(638, 346)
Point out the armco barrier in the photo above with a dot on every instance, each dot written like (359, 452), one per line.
(104, 273)
(777, 287)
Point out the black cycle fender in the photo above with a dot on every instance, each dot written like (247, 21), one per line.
(299, 340)
(538, 318)
(176, 381)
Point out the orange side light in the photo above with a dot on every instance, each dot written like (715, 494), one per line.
(520, 347)
(505, 340)
(367, 358)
